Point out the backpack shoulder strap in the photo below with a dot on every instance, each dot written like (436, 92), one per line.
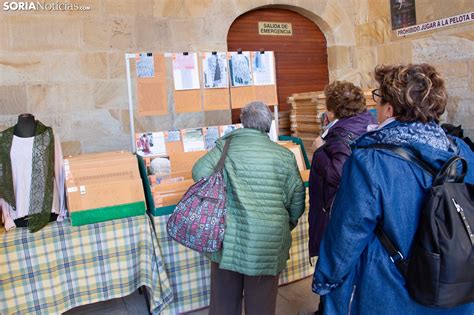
(395, 255)
(446, 173)
(409, 155)
(406, 153)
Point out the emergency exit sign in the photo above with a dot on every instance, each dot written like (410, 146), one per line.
(275, 28)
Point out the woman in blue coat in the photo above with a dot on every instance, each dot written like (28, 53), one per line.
(354, 273)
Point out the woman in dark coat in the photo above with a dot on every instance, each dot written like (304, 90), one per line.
(349, 119)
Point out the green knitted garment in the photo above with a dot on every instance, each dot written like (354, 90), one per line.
(42, 176)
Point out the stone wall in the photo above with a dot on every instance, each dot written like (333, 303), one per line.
(68, 68)
(449, 49)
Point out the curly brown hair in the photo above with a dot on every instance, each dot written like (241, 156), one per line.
(344, 99)
(416, 91)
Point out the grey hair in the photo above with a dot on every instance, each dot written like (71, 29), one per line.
(256, 115)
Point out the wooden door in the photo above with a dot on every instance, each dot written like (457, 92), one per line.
(300, 59)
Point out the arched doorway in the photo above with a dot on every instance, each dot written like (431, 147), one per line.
(300, 59)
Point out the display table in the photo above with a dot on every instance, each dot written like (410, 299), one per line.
(190, 273)
(61, 266)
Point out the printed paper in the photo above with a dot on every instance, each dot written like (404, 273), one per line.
(185, 71)
(145, 66)
(215, 70)
(151, 143)
(225, 129)
(210, 138)
(263, 68)
(172, 136)
(240, 69)
(193, 140)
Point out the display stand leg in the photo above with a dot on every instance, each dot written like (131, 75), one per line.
(130, 99)
(275, 116)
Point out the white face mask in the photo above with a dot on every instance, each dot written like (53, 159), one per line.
(326, 129)
(380, 126)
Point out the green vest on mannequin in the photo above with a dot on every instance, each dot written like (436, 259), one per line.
(26, 128)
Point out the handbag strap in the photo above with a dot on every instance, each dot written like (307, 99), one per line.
(220, 164)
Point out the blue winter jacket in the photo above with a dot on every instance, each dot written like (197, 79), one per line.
(354, 272)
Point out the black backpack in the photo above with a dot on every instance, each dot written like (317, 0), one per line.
(439, 272)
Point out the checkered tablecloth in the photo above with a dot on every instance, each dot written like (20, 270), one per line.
(299, 265)
(190, 273)
(61, 266)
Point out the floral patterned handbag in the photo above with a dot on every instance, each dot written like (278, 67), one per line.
(198, 222)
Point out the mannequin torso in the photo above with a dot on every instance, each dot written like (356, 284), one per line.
(26, 126)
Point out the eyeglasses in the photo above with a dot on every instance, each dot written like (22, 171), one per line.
(377, 95)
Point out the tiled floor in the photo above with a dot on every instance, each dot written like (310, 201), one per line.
(293, 299)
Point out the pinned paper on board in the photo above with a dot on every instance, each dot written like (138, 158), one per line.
(172, 136)
(225, 129)
(145, 65)
(216, 81)
(152, 95)
(215, 70)
(263, 66)
(210, 137)
(150, 143)
(240, 69)
(174, 145)
(185, 71)
(193, 140)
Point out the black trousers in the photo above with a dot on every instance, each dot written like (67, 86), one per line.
(227, 288)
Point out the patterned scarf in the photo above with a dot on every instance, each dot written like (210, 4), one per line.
(42, 175)
(412, 132)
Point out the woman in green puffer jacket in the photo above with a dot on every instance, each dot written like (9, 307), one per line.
(265, 198)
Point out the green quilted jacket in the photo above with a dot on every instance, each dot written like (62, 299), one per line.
(265, 198)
